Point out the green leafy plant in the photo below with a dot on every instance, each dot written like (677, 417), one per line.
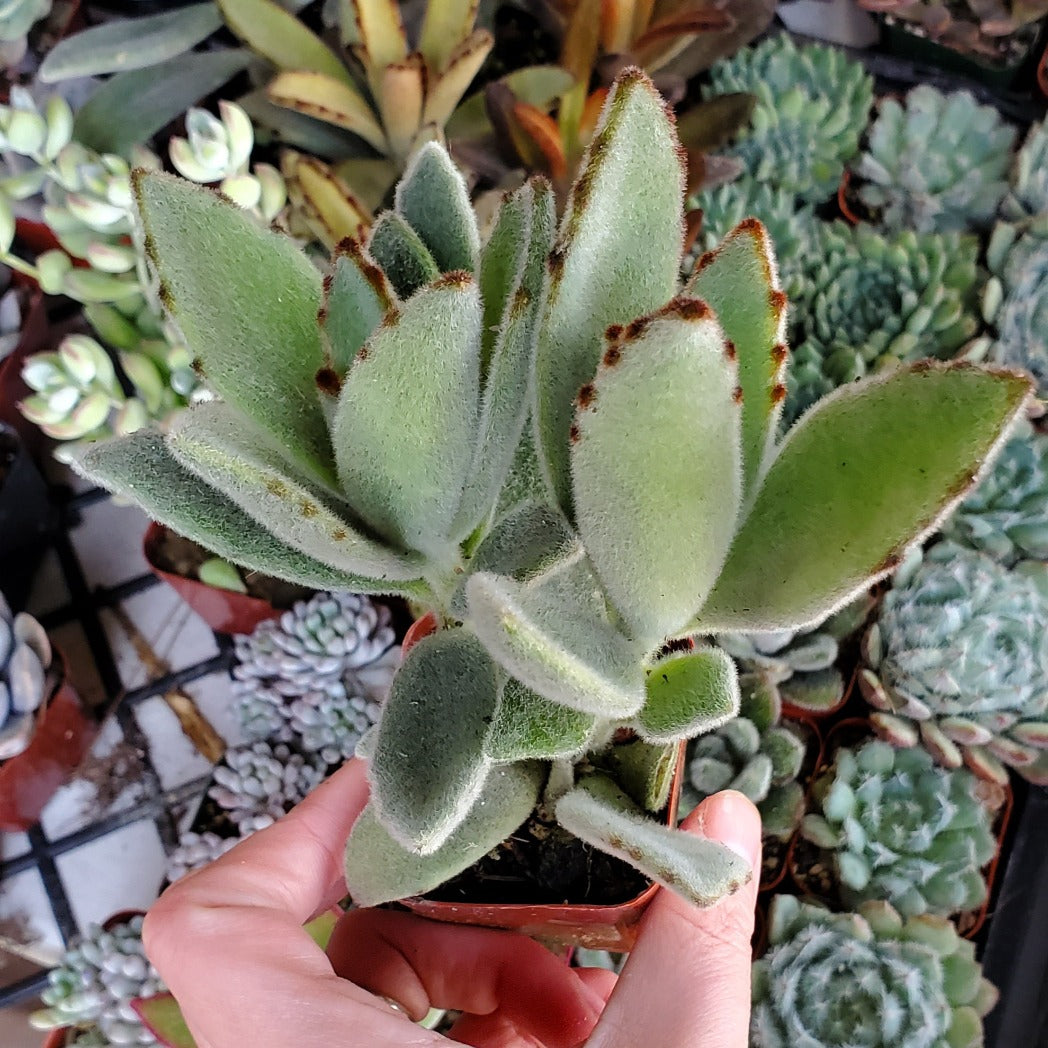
(876, 300)
(26, 678)
(903, 830)
(936, 162)
(869, 978)
(812, 107)
(958, 662)
(369, 451)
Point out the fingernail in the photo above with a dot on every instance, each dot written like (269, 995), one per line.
(731, 818)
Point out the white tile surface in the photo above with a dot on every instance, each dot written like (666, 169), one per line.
(175, 758)
(121, 871)
(214, 696)
(23, 898)
(108, 542)
(12, 845)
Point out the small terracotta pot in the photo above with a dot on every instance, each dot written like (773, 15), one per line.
(56, 1038)
(225, 611)
(419, 629)
(62, 738)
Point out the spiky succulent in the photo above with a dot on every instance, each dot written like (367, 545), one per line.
(958, 661)
(812, 107)
(1027, 195)
(876, 300)
(789, 224)
(755, 754)
(866, 980)
(903, 830)
(92, 989)
(935, 163)
(25, 678)
(362, 439)
(261, 779)
(1006, 516)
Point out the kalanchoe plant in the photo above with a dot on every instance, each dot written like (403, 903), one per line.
(873, 301)
(91, 991)
(366, 429)
(957, 661)
(1006, 516)
(936, 162)
(1027, 195)
(867, 980)
(26, 678)
(903, 830)
(756, 754)
(812, 107)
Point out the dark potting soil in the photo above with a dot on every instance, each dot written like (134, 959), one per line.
(773, 858)
(539, 864)
(180, 556)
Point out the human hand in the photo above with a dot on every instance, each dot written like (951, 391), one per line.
(229, 943)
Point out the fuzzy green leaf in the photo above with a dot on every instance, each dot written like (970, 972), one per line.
(429, 764)
(701, 870)
(525, 542)
(656, 461)
(129, 43)
(617, 254)
(356, 299)
(399, 250)
(689, 693)
(507, 395)
(217, 268)
(141, 469)
(644, 770)
(740, 282)
(502, 262)
(527, 726)
(546, 635)
(406, 421)
(433, 199)
(379, 869)
(209, 440)
(866, 472)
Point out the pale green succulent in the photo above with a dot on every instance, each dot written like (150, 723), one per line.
(1027, 195)
(812, 107)
(958, 662)
(25, 678)
(788, 222)
(17, 17)
(876, 300)
(367, 425)
(866, 980)
(1006, 516)
(92, 990)
(757, 755)
(903, 830)
(219, 151)
(936, 163)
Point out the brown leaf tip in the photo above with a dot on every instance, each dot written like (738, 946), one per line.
(587, 395)
(778, 393)
(636, 328)
(690, 309)
(778, 301)
(707, 258)
(612, 355)
(456, 279)
(521, 300)
(329, 280)
(198, 367)
(276, 487)
(339, 534)
(391, 318)
(309, 508)
(555, 263)
(327, 381)
(779, 353)
(737, 395)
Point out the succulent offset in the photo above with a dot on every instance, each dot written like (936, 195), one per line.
(812, 107)
(868, 979)
(1006, 516)
(92, 990)
(936, 163)
(875, 300)
(903, 830)
(958, 662)
(369, 451)
(757, 755)
(25, 678)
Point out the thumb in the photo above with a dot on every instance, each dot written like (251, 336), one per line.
(687, 981)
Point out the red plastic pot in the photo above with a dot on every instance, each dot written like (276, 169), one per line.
(842, 199)
(56, 1038)
(225, 611)
(62, 738)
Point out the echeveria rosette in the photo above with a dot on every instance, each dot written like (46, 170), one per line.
(957, 661)
(1027, 196)
(868, 979)
(903, 830)
(812, 106)
(936, 162)
(1006, 516)
(876, 300)
(366, 431)
(25, 678)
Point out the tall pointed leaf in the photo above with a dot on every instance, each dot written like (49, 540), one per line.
(656, 461)
(327, 98)
(444, 24)
(399, 250)
(406, 421)
(740, 281)
(246, 300)
(429, 766)
(617, 254)
(463, 65)
(688, 694)
(502, 262)
(866, 472)
(379, 869)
